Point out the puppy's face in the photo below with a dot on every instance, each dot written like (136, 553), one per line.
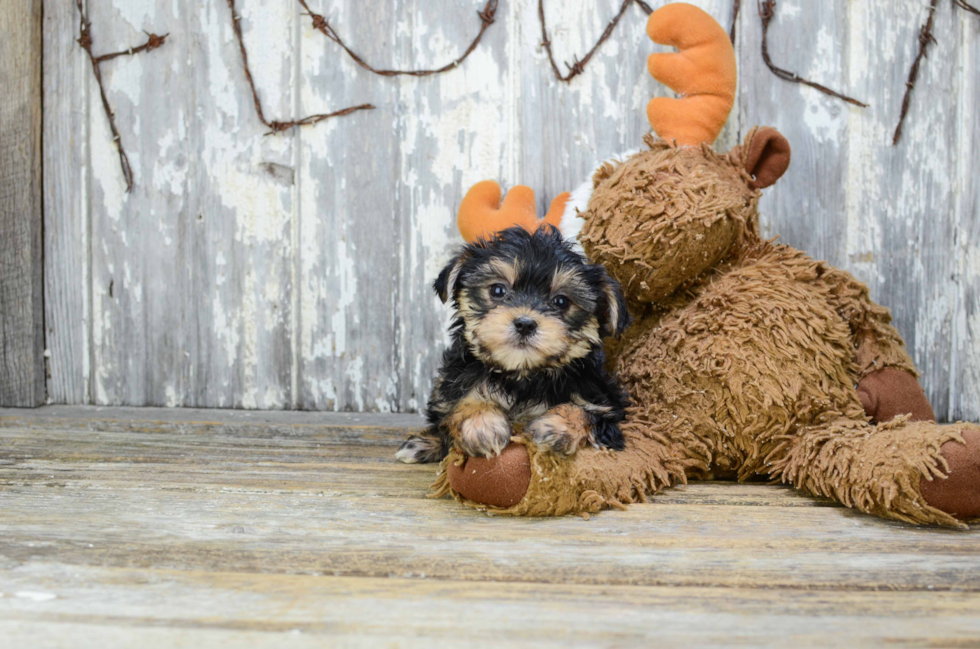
(528, 302)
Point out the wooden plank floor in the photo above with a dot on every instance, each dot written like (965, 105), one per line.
(146, 528)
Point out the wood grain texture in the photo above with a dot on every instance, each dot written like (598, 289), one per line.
(21, 290)
(293, 271)
(66, 231)
(901, 207)
(806, 207)
(154, 527)
(257, 610)
(964, 388)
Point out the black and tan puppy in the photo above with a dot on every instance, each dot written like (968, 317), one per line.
(526, 349)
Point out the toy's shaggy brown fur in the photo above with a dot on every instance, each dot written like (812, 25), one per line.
(744, 357)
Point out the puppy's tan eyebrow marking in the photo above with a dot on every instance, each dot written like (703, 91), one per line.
(507, 271)
(566, 279)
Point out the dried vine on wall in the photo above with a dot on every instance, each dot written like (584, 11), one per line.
(925, 38)
(487, 17)
(767, 9)
(578, 66)
(321, 24)
(963, 4)
(766, 12)
(736, 6)
(153, 41)
(278, 126)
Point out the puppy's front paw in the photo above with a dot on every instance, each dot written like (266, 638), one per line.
(563, 429)
(484, 434)
(421, 449)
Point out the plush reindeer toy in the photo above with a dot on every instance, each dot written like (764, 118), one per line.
(745, 358)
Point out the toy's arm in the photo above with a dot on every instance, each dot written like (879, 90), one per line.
(887, 384)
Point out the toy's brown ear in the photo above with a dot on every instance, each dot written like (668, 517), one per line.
(767, 157)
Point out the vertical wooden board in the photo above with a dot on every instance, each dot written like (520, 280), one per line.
(348, 233)
(66, 251)
(568, 128)
(294, 270)
(806, 208)
(244, 294)
(453, 129)
(198, 256)
(21, 288)
(378, 220)
(964, 385)
(900, 209)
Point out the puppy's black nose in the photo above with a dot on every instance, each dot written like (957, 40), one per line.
(525, 326)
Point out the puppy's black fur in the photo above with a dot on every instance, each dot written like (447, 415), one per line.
(527, 337)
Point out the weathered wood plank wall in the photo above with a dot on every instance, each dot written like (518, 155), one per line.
(21, 307)
(292, 271)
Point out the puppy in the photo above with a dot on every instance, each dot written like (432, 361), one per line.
(526, 350)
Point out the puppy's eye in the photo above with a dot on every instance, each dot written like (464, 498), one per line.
(561, 302)
(498, 291)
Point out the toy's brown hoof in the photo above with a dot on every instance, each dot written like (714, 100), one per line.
(959, 494)
(498, 481)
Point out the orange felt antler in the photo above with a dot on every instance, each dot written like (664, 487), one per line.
(481, 213)
(703, 72)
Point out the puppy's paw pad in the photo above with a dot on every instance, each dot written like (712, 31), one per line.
(419, 450)
(484, 435)
(555, 433)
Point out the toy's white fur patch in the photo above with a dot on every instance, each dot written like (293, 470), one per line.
(571, 223)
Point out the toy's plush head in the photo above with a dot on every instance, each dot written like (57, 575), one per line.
(661, 217)
(526, 301)
(665, 215)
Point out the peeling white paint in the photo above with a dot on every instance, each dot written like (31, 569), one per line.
(257, 267)
(35, 596)
(249, 350)
(136, 13)
(825, 116)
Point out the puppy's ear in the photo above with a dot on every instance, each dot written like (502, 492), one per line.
(445, 284)
(613, 316)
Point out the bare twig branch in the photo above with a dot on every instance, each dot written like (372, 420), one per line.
(321, 24)
(925, 37)
(276, 126)
(85, 41)
(767, 10)
(736, 6)
(963, 4)
(152, 42)
(647, 9)
(578, 66)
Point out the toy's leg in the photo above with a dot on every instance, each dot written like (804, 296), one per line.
(886, 375)
(888, 469)
(890, 392)
(527, 481)
(959, 493)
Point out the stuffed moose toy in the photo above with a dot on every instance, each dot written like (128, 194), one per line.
(745, 357)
